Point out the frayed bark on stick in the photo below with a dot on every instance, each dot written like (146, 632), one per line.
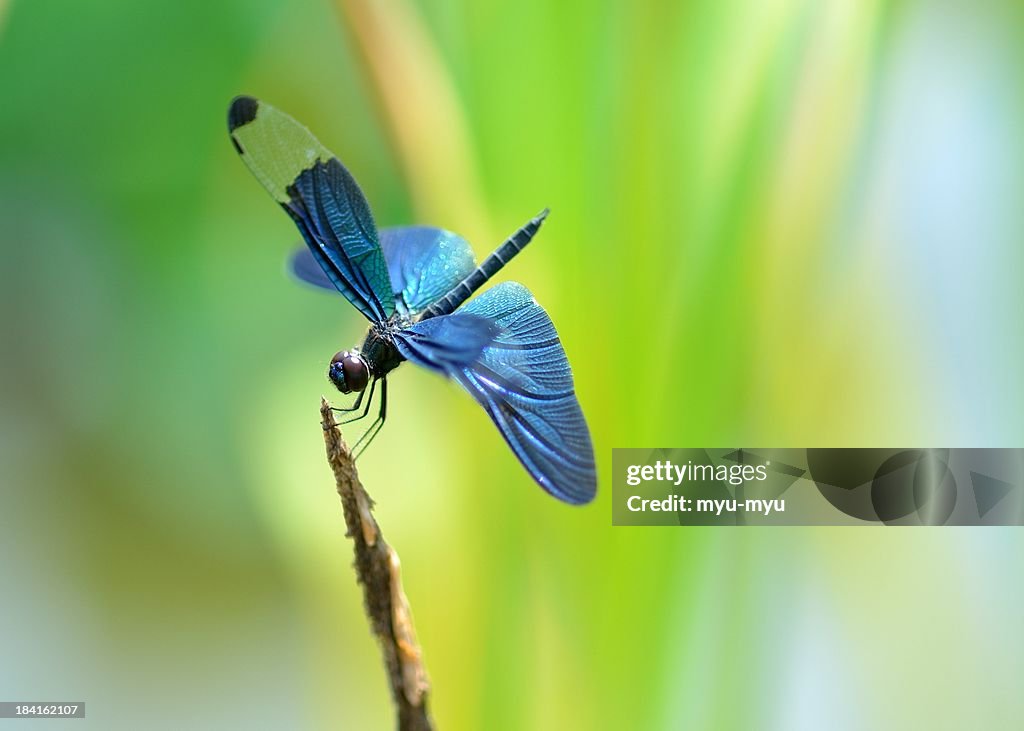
(378, 571)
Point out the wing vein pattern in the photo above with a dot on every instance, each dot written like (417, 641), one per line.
(423, 264)
(519, 373)
(323, 199)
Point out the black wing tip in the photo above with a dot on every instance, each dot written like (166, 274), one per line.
(242, 111)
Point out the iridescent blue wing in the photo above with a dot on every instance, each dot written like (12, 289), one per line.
(304, 266)
(424, 264)
(448, 343)
(322, 198)
(522, 379)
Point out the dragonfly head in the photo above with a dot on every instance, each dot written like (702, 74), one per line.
(349, 371)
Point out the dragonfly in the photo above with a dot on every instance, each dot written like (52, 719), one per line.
(413, 284)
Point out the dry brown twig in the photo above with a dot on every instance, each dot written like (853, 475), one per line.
(378, 571)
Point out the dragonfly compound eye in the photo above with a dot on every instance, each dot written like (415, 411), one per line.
(357, 374)
(348, 372)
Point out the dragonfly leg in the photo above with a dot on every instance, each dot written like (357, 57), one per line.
(366, 409)
(378, 423)
(349, 409)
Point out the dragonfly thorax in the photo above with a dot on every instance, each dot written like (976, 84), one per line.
(378, 348)
(349, 371)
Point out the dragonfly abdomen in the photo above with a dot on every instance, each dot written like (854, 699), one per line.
(490, 266)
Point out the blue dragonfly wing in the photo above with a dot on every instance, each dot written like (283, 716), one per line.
(304, 265)
(449, 342)
(424, 264)
(523, 380)
(322, 198)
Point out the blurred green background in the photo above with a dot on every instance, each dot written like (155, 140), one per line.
(773, 223)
